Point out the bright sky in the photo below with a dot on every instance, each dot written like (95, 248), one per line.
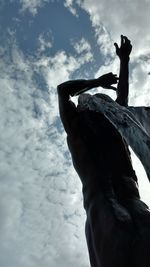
(42, 44)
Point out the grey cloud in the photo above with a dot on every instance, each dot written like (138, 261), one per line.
(130, 18)
(39, 188)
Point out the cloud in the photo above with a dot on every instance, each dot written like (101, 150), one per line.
(44, 41)
(109, 20)
(121, 17)
(59, 68)
(82, 46)
(42, 219)
(32, 5)
(69, 4)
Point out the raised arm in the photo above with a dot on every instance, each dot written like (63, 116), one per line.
(67, 108)
(123, 85)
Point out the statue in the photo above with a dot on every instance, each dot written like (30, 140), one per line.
(98, 134)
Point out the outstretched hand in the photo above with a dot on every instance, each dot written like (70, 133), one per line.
(125, 48)
(107, 80)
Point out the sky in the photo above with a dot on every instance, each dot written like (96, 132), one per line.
(44, 43)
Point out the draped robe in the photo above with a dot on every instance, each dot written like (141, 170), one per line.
(131, 122)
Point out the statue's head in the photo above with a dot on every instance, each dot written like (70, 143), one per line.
(82, 101)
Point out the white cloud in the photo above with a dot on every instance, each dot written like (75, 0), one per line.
(109, 20)
(32, 5)
(82, 46)
(45, 42)
(42, 219)
(130, 18)
(69, 4)
(140, 85)
(112, 18)
(58, 68)
(142, 179)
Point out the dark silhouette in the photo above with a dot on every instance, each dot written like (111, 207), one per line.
(118, 222)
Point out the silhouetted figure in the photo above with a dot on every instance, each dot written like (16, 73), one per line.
(118, 222)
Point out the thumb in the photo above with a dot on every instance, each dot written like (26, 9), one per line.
(112, 88)
(116, 46)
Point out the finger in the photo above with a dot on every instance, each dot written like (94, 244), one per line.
(115, 81)
(113, 88)
(109, 75)
(122, 39)
(112, 74)
(115, 76)
(116, 46)
(127, 40)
